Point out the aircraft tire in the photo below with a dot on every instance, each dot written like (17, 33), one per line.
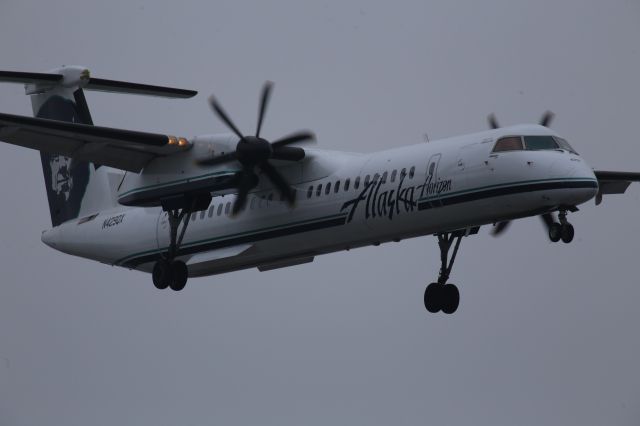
(179, 274)
(567, 233)
(450, 298)
(161, 274)
(555, 232)
(433, 297)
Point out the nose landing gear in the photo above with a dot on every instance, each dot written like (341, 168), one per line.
(561, 231)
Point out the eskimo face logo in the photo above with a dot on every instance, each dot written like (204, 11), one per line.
(66, 179)
(61, 178)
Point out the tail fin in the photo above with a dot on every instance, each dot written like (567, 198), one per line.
(66, 181)
(76, 188)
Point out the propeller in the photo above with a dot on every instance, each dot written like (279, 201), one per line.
(547, 218)
(254, 152)
(500, 227)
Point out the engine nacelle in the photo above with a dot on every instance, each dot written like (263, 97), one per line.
(180, 175)
(206, 147)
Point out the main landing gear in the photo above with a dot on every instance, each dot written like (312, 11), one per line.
(440, 295)
(169, 271)
(561, 231)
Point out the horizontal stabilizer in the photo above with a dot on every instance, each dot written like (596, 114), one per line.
(80, 78)
(29, 77)
(102, 85)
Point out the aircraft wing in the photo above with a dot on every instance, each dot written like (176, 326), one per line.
(122, 149)
(614, 182)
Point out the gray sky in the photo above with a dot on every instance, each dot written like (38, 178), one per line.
(545, 334)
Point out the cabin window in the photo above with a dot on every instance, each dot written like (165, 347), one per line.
(319, 190)
(393, 176)
(227, 208)
(384, 177)
(219, 212)
(202, 214)
(346, 184)
(211, 208)
(327, 190)
(367, 178)
(193, 217)
(412, 172)
(565, 145)
(356, 184)
(403, 173)
(537, 143)
(310, 191)
(336, 188)
(252, 204)
(510, 143)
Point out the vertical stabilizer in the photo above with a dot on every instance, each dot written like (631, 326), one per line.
(73, 187)
(77, 188)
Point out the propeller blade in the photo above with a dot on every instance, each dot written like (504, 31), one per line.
(240, 202)
(220, 159)
(303, 136)
(547, 118)
(246, 181)
(493, 121)
(217, 108)
(500, 227)
(288, 153)
(548, 220)
(264, 101)
(279, 182)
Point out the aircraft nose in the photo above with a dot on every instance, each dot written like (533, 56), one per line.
(580, 176)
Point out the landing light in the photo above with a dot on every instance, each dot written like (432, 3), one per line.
(181, 142)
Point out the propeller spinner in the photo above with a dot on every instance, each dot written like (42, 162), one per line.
(255, 152)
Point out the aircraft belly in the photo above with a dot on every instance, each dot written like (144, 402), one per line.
(106, 236)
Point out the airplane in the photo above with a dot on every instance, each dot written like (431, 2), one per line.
(180, 207)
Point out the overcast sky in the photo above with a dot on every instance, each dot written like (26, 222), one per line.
(545, 333)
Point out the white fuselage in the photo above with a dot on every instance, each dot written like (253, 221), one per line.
(451, 184)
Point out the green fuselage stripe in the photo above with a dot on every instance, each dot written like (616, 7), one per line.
(256, 232)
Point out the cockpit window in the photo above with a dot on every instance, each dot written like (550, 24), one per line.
(535, 143)
(565, 145)
(510, 143)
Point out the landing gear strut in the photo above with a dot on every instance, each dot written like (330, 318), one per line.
(440, 295)
(561, 231)
(168, 271)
